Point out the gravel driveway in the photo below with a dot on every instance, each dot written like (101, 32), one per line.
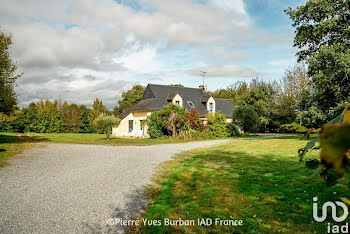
(67, 188)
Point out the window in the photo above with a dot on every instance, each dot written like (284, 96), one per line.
(190, 104)
(177, 103)
(211, 107)
(141, 121)
(131, 125)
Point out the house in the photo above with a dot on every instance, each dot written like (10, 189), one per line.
(157, 96)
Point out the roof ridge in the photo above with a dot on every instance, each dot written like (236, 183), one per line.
(175, 86)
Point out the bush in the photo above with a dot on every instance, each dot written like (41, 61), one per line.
(104, 123)
(247, 118)
(155, 130)
(311, 118)
(232, 130)
(194, 120)
(217, 124)
(186, 132)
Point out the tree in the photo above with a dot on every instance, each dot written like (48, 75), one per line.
(129, 98)
(97, 108)
(217, 124)
(70, 117)
(104, 123)
(8, 76)
(47, 117)
(87, 118)
(261, 96)
(294, 86)
(172, 117)
(247, 118)
(322, 35)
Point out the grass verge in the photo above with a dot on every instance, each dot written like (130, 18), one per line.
(259, 181)
(100, 139)
(10, 145)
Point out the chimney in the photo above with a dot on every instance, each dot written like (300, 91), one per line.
(203, 87)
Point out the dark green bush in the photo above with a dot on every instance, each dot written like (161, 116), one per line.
(155, 130)
(232, 130)
(247, 118)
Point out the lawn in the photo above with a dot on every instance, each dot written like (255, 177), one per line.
(11, 145)
(100, 139)
(257, 180)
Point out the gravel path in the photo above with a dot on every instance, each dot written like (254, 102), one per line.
(67, 188)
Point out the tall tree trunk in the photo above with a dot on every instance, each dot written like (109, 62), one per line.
(174, 132)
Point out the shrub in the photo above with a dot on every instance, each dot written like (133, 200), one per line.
(217, 124)
(187, 132)
(194, 120)
(155, 130)
(232, 130)
(104, 123)
(247, 118)
(311, 118)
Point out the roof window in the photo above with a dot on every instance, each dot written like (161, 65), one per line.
(190, 104)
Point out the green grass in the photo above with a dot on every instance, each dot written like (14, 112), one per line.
(100, 139)
(257, 180)
(11, 145)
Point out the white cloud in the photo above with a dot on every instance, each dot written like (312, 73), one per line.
(84, 49)
(140, 60)
(37, 44)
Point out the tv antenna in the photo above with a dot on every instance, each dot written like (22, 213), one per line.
(203, 74)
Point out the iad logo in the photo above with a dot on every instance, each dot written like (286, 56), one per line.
(333, 205)
(334, 211)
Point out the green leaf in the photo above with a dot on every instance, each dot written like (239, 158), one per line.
(318, 169)
(335, 142)
(339, 118)
(308, 147)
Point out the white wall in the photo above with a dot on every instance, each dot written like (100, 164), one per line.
(123, 129)
(177, 98)
(211, 100)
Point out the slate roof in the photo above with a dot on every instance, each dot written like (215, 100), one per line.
(225, 106)
(157, 96)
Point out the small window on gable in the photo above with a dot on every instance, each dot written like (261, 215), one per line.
(177, 103)
(190, 104)
(131, 125)
(211, 107)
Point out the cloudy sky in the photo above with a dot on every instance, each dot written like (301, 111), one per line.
(82, 49)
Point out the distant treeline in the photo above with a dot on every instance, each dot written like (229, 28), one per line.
(291, 99)
(50, 117)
